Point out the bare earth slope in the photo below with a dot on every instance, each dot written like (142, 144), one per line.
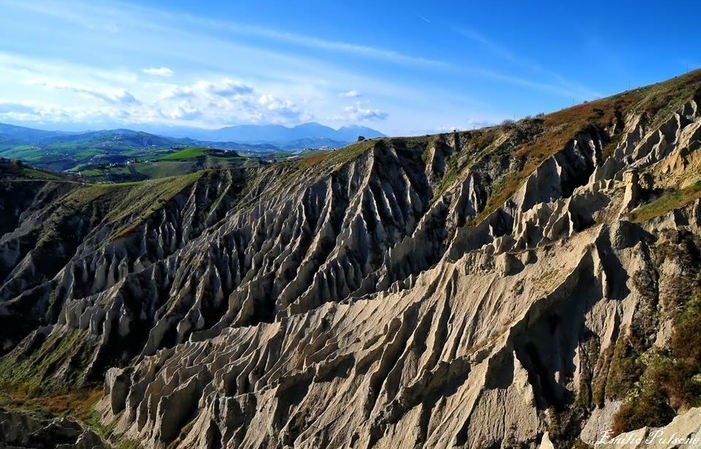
(516, 286)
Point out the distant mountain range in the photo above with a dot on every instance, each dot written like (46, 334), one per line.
(308, 134)
(279, 133)
(20, 134)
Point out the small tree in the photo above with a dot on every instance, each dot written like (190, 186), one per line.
(361, 138)
(508, 124)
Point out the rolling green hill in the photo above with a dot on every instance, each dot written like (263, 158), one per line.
(182, 162)
(189, 154)
(75, 152)
(99, 150)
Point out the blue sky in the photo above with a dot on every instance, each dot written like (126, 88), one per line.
(410, 67)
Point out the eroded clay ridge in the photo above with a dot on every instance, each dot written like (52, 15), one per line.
(506, 330)
(378, 299)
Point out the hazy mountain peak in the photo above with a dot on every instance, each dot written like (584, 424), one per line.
(279, 133)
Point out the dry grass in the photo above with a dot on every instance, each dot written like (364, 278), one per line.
(77, 404)
(667, 382)
(478, 346)
(558, 129)
(315, 158)
(352, 152)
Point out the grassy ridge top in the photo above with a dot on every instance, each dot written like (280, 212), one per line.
(201, 152)
(123, 206)
(14, 169)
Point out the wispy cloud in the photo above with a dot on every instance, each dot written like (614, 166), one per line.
(115, 96)
(281, 63)
(558, 85)
(321, 44)
(205, 103)
(357, 113)
(493, 47)
(107, 11)
(30, 111)
(422, 17)
(9, 107)
(159, 71)
(350, 94)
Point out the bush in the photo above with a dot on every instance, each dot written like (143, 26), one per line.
(650, 409)
(686, 338)
(625, 369)
(670, 381)
(676, 381)
(508, 124)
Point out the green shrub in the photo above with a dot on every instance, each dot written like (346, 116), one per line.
(686, 338)
(625, 369)
(676, 381)
(603, 365)
(670, 381)
(649, 409)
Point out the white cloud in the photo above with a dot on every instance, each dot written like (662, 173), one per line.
(160, 71)
(51, 113)
(124, 96)
(224, 88)
(116, 96)
(422, 17)
(76, 94)
(475, 123)
(357, 113)
(283, 108)
(185, 111)
(350, 94)
(16, 108)
(228, 101)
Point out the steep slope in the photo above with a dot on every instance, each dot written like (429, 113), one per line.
(515, 286)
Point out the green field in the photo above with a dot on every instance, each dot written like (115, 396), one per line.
(176, 163)
(186, 154)
(121, 156)
(189, 154)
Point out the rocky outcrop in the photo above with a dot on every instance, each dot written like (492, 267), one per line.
(20, 431)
